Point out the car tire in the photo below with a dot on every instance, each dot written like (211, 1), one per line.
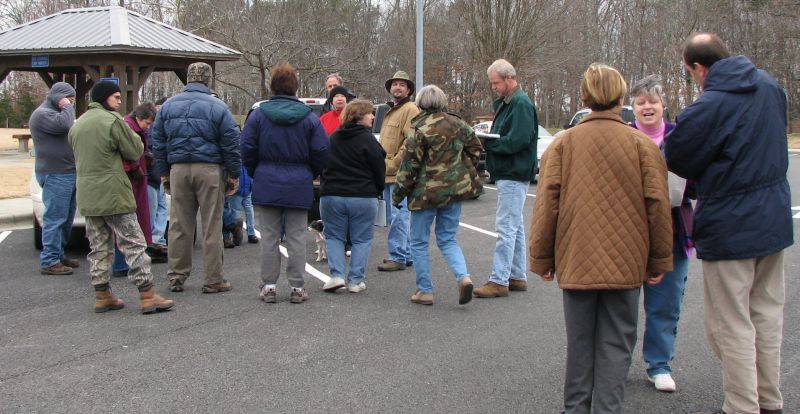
(37, 235)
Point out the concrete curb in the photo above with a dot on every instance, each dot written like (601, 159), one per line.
(15, 221)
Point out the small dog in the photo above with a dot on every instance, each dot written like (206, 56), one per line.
(317, 227)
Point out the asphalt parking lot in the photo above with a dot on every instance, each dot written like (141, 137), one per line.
(367, 353)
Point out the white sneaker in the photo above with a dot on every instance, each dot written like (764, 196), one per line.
(663, 382)
(334, 284)
(357, 288)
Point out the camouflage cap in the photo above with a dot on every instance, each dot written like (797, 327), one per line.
(199, 72)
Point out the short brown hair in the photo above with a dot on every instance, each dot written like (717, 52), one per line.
(284, 80)
(705, 49)
(144, 111)
(602, 87)
(355, 110)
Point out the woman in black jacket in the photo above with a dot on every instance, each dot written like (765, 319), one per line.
(349, 194)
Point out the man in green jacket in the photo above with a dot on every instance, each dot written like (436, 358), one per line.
(100, 140)
(511, 161)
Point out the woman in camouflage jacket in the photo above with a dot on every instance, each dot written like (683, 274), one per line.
(436, 174)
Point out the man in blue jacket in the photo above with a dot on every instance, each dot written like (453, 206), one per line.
(196, 149)
(732, 142)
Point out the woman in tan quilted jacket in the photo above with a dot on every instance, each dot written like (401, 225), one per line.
(601, 226)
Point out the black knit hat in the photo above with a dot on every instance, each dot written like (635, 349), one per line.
(340, 90)
(102, 90)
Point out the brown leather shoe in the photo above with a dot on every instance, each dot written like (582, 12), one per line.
(106, 301)
(491, 290)
(223, 286)
(422, 298)
(57, 269)
(391, 266)
(464, 290)
(517, 285)
(150, 302)
(70, 263)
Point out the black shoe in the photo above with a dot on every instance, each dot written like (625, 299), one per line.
(119, 273)
(227, 241)
(253, 239)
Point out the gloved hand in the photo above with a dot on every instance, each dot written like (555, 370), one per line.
(165, 181)
(136, 175)
(232, 187)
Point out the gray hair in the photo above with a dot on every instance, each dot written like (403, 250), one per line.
(502, 68)
(334, 75)
(650, 85)
(431, 98)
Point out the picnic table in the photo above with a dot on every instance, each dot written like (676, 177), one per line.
(23, 140)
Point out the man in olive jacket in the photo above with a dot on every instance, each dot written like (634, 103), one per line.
(511, 161)
(100, 140)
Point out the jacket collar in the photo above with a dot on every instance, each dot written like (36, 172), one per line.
(402, 102)
(197, 87)
(511, 93)
(607, 114)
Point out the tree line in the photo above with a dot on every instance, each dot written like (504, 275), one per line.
(550, 42)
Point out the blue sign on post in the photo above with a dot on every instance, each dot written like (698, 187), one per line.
(40, 61)
(112, 79)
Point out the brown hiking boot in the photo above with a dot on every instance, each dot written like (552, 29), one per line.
(491, 290)
(57, 269)
(150, 302)
(106, 301)
(223, 286)
(391, 266)
(422, 298)
(70, 263)
(517, 285)
(464, 290)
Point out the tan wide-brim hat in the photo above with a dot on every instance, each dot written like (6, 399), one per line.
(400, 75)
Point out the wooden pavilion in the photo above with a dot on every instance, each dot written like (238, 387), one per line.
(87, 45)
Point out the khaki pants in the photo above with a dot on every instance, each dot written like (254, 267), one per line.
(101, 231)
(744, 323)
(193, 187)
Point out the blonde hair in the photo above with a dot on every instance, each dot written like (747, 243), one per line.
(355, 110)
(602, 87)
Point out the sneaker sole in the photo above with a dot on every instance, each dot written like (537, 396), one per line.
(269, 299)
(332, 289)
(297, 300)
(48, 273)
(356, 290)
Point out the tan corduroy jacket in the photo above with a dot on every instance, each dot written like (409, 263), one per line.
(396, 126)
(602, 215)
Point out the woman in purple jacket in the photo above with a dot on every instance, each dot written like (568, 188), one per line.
(662, 302)
(284, 147)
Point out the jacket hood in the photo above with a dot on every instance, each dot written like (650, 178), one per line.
(735, 74)
(349, 130)
(58, 92)
(284, 110)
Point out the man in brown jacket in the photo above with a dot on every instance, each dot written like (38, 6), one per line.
(396, 125)
(602, 224)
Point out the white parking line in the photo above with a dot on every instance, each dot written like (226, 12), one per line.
(495, 189)
(478, 229)
(3, 235)
(309, 269)
(793, 208)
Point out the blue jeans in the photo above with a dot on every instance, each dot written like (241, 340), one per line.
(447, 219)
(58, 197)
(157, 200)
(247, 203)
(662, 307)
(509, 252)
(231, 212)
(353, 215)
(397, 242)
(119, 260)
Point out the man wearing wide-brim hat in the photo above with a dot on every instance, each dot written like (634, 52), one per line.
(396, 125)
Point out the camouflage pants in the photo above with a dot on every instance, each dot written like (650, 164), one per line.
(101, 231)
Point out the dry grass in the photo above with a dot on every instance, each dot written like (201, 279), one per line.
(15, 168)
(7, 143)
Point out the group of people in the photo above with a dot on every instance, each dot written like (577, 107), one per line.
(613, 210)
